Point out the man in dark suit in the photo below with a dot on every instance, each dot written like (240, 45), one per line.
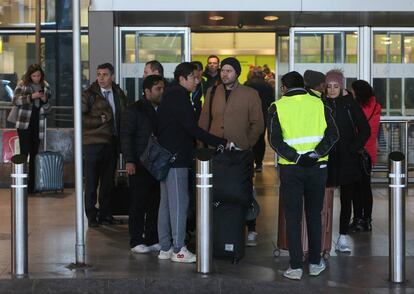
(102, 105)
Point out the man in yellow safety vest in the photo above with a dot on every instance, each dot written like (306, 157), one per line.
(302, 131)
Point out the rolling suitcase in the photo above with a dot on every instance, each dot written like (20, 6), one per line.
(48, 169)
(229, 231)
(326, 218)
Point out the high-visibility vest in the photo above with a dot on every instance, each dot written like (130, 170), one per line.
(303, 123)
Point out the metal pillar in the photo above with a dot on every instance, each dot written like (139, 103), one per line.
(19, 215)
(204, 212)
(397, 217)
(77, 110)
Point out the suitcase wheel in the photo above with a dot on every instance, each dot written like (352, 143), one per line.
(276, 252)
(326, 255)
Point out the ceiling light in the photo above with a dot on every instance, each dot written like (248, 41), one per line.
(386, 38)
(216, 17)
(386, 42)
(407, 40)
(271, 18)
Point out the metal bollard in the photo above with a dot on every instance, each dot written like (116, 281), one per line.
(19, 215)
(204, 186)
(397, 217)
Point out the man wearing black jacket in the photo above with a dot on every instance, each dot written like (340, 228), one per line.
(138, 123)
(177, 131)
(302, 131)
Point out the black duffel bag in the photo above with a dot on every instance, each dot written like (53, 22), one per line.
(233, 177)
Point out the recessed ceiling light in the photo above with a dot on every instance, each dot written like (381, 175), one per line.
(216, 17)
(407, 41)
(271, 17)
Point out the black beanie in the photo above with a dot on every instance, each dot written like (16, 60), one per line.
(233, 62)
(313, 78)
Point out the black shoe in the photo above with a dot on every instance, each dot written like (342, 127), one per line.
(367, 224)
(258, 168)
(357, 225)
(109, 220)
(93, 223)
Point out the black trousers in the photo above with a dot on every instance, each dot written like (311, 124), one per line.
(100, 163)
(348, 193)
(143, 210)
(29, 145)
(259, 150)
(363, 200)
(298, 184)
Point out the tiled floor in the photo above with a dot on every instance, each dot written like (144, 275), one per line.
(52, 248)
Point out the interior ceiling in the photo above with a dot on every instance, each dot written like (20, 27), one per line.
(253, 21)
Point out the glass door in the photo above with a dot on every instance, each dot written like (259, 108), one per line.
(138, 45)
(282, 60)
(323, 49)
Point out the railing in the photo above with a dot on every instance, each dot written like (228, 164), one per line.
(395, 134)
(59, 117)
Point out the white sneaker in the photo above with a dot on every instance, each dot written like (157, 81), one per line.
(184, 256)
(342, 245)
(141, 248)
(165, 254)
(293, 274)
(251, 239)
(155, 247)
(316, 269)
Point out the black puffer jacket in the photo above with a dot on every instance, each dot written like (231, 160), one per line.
(343, 165)
(138, 122)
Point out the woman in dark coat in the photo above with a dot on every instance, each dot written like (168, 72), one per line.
(364, 95)
(343, 166)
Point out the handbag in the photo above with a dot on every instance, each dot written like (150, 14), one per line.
(254, 209)
(156, 159)
(364, 157)
(12, 117)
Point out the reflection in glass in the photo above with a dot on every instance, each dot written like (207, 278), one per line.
(161, 47)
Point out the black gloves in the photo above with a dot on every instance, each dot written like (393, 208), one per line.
(307, 159)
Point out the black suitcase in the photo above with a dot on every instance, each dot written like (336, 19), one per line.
(229, 231)
(233, 177)
(48, 168)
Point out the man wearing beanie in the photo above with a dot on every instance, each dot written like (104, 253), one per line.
(236, 115)
(309, 133)
(314, 82)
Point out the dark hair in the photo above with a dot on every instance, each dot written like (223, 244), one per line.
(27, 80)
(363, 91)
(293, 79)
(184, 69)
(152, 80)
(156, 66)
(214, 56)
(107, 66)
(198, 64)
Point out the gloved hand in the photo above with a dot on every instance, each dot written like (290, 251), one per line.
(307, 159)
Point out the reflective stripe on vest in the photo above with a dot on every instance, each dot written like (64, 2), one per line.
(303, 124)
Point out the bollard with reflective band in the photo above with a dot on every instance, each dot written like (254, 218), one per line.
(397, 217)
(204, 178)
(19, 215)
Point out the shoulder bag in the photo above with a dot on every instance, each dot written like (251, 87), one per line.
(156, 159)
(364, 157)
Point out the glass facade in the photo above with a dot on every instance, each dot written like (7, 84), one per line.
(393, 71)
(326, 50)
(17, 48)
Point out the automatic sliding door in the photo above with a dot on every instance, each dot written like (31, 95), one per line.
(170, 46)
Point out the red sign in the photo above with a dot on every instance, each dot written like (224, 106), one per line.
(10, 145)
